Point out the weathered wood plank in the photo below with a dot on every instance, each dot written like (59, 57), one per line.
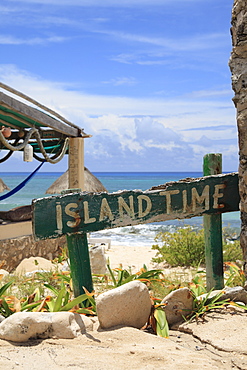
(86, 212)
(36, 115)
(212, 165)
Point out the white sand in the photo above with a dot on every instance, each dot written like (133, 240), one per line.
(130, 256)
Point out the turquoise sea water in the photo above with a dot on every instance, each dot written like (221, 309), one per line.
(113, 181)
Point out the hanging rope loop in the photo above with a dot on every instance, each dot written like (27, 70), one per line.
(34, 132)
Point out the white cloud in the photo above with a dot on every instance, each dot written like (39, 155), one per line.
(210, 93)
(129, 81)
(165, 136)
(198, 42)
(10, 40)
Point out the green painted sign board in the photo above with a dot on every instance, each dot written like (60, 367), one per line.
(83, 212)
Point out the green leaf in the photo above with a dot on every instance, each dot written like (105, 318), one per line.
(112, 275)
(5, 287)
(59, 300)
(162, 327)
(54, 290)
(6, 311)
(86, 311)
(74, 302)
(50, 305)
(30, 306)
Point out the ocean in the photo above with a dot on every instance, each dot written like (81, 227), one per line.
(113, 181)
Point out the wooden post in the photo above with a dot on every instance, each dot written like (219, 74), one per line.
(212, 165)
(76, 163)
(77, 243)
(79, 263)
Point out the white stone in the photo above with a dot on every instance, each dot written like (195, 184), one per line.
(178, 303)
(33, 264)
(22, 326)
(127, 305)
(97, 259)
(3, 273)
(236, 294)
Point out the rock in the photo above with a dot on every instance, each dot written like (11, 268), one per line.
(178, 303)
(97, 259)
(13, 251)
(69, 326)
(22, 326)
(127, 305)
(236, 294)
(2, 318)
(33, 264)
(3, 273)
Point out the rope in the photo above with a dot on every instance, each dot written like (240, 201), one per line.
(20, 146)
(21, 185)
(7, 156)
(35, 132)
(35, 156)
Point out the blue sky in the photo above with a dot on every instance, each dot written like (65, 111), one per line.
(149, 79)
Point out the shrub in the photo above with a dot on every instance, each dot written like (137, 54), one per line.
(185, 247)
(232, 252)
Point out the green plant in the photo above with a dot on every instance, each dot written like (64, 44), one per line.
(122, 276)
(4, 308)
(232, 251)
(157, 321)
(63, 302)
(204, 304)
(185, 247)
(161, 324)
(234, 275)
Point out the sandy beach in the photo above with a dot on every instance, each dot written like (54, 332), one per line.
(133, 257)
(126, 347)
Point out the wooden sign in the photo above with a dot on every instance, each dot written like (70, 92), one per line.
(87, 212)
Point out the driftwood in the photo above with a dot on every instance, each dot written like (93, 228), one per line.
(23, 213)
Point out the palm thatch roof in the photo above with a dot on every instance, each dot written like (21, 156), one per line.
(92, 184)
(3, 186)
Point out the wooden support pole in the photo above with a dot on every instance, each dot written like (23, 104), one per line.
(79, 263)
(76, 163)
(77, 243)
(212, 165)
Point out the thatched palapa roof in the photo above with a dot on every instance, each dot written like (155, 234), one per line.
(92, 184)
(3, 186)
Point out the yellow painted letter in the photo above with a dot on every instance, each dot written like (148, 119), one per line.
(142, 213)
(196, 198)
(72, 214)
(168, 199)
(185, 201)
(59, 218)
(87, 219)
(218, 195)
(128, 208)
(105, 210)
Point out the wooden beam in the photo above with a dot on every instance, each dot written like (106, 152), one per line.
(76, 163)
(36, 115)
